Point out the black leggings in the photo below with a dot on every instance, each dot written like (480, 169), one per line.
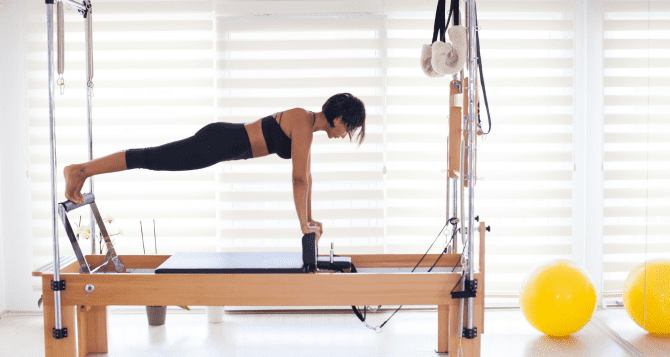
(213, 143)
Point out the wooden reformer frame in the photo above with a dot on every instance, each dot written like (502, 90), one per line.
(88, 310)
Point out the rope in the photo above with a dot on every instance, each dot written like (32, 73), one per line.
(378, 329)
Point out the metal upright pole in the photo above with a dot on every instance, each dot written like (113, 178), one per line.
(52, 136)
(472, 126)
(89, 95)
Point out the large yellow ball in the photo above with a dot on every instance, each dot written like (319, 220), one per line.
(558, 297)
(649, 283)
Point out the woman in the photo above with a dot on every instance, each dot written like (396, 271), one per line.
(288, 134)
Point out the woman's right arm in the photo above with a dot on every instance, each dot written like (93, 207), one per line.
(301, 143)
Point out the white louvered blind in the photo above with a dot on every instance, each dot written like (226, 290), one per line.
(267, 64)
(637, 136)
(153, 77)
(148, 95)
(527, 48)
(526, 161)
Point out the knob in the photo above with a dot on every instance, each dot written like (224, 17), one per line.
(89, 288)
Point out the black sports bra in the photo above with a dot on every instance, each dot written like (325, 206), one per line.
(275, 138)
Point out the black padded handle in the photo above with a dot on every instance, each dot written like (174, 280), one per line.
(309, 251)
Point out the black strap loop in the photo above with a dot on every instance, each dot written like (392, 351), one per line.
(454, 10)
(439, 21)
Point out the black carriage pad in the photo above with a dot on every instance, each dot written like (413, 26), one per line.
(233, 263)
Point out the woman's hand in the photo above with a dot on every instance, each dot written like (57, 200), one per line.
(316, 223)
(312, 229)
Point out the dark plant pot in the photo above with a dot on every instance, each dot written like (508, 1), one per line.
(156, 315)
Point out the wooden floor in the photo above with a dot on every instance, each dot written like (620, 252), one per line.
(410, 333)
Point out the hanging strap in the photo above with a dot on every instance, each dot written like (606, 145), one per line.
(454, 10)
(89, 40)
(439, 21)
(61, 38)
(481, 75)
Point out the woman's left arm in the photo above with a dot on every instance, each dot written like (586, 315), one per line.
(309, 194)
(309, 184)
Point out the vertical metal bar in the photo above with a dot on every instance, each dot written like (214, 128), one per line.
(52, 137)
(89, 107)
(455, 210)
(385, 124)
(472, 122)
(448, 191)
(446, 232)
(464, 271)
(462, 184)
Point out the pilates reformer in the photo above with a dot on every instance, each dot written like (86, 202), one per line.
(77, 294)
(247, 279)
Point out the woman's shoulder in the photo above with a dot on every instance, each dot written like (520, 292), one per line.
(296, 119)
(297, 113)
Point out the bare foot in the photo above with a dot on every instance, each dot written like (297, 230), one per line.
(74, 181)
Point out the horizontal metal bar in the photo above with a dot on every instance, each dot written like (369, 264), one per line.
(74, 3)
(69, 205)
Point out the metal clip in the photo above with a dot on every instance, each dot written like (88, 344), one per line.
(61, 83)
(377, 329)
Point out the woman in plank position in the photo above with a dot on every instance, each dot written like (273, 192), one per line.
(288, 134)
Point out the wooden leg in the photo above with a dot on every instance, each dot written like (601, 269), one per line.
(479, 319)
(443, 328)
(472, 348)
(454, 334)
(92, 329)
(65, 347)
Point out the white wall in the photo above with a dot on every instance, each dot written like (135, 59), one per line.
(16, 252)
(3, 284)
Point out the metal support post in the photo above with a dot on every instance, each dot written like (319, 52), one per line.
(89, 95)
(472, 126)
(52, 137)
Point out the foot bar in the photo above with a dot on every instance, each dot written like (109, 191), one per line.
(67, 206)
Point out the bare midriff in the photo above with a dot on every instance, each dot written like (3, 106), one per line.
(255, 131)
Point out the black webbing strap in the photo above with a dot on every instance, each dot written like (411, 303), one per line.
(439, 21)
(481, 75)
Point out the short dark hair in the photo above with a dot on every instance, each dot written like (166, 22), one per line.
(352, 111)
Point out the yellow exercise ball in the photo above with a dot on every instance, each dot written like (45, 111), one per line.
(558, 297)
(654, 316)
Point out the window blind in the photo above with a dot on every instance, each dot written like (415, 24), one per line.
(153, 84)
(156, 69)
(637, 131)
(272, 63)
(527, 196)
